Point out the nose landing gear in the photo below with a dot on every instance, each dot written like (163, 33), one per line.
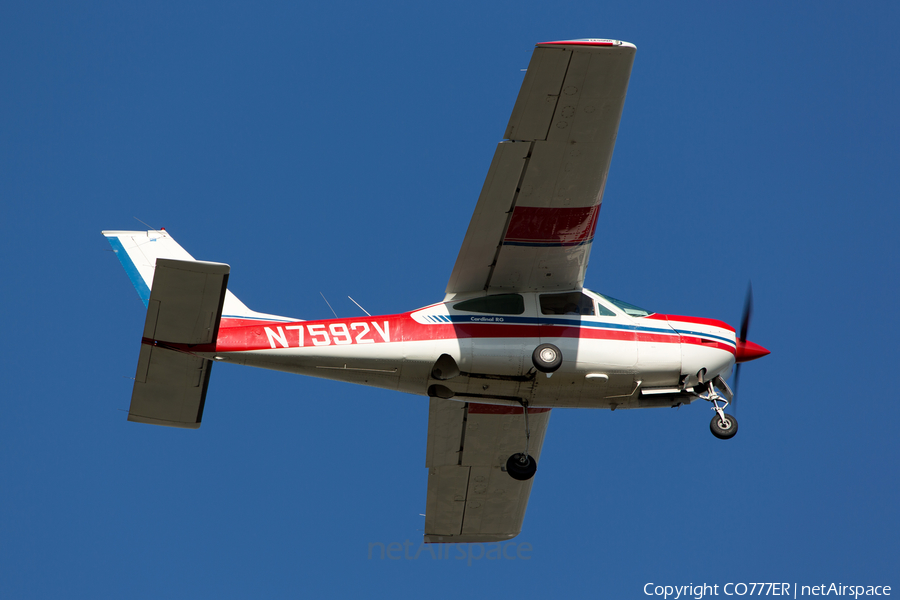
(723, 426)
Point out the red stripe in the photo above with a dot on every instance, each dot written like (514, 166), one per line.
(696, 341)
(566, 226)
(180, 347)
(402, 328)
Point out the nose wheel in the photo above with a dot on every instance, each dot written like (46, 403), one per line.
(723, 427)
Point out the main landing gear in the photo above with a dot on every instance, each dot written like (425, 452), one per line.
(547, 358)
(520, 465)
(723, 426)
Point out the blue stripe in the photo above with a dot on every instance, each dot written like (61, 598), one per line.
(504, 319)
(136, 280)
(508, 320)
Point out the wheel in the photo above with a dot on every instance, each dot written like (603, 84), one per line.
(546, 358)
(724, 430)
(523, 471)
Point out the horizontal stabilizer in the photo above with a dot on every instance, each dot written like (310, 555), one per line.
(184, 309)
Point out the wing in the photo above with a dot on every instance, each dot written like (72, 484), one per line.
(534, 222)
(471, 498)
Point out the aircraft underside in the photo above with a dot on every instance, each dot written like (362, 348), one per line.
(496, 376)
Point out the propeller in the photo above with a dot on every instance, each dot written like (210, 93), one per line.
(742, 341)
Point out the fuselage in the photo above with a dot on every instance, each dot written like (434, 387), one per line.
(614, 355)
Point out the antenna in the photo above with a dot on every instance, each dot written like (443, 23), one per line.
(148, 226)
(360, 306)
(326, 302)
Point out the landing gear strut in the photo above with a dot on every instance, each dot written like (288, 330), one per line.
(520, 465)
(723, 426)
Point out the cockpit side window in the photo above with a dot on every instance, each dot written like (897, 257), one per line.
(498, 304)
(569, 303)
(629, 309)
(603, 311)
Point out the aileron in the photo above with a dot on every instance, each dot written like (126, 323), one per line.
(536, 103)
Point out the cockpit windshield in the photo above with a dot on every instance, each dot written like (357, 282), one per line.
(629, 309)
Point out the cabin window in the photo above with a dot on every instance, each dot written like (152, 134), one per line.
(569, 303)
(498, 304)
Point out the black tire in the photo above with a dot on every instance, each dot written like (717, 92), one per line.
(546, 358)
(726, 430)
(522, 471)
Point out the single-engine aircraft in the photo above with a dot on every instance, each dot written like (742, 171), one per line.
(516, 335)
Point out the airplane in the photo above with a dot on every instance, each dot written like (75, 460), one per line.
(516, 335)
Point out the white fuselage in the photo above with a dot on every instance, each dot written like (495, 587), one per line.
(610, 359)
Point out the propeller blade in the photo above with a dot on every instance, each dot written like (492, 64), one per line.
(748, 310)
(745, 325)
(734, 391)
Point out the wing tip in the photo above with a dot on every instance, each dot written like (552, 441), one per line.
(125, 233)
(471, 538)
(589, 42)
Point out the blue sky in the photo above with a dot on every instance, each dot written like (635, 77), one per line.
(340, 149)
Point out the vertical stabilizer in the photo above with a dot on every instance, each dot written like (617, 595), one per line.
(138, 252)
